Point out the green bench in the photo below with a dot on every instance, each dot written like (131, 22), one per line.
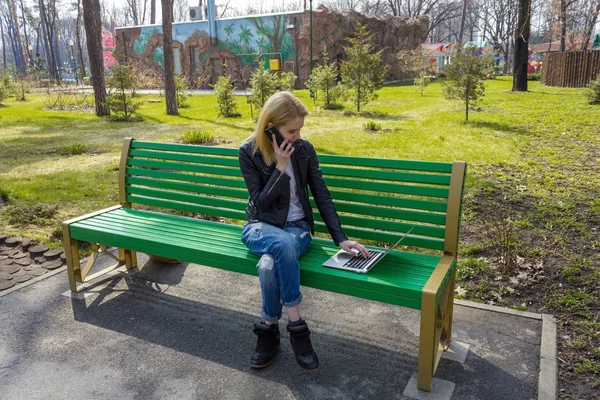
(377, 199)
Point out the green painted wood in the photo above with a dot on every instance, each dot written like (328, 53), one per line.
(188, 198)
(384, 187)
(186, 187)
(172, 166)
(380, 280)
(387, 175)
(387, 212)
(391, 201)
(185, 148)
(210, 180)
(173, 205)
(425, 166)
(388, 225)
(188, 158)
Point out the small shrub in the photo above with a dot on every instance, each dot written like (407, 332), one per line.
(592, 92)
(226, 104)
(287, 81)
(180, 88)
(73, 149)
(534, 77)
(372, 126)
(197, 137)
(263, 86)
(504, 244)
(122, 87)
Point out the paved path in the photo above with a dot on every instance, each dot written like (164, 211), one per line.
(184, 332)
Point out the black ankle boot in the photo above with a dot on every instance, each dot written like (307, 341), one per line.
(267, 345)
(300, 340)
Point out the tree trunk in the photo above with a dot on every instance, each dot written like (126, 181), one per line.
(78, 37)
(522, 46)
(19, 43)
(3, 43)
(563, 25)
(462, 25)
(50, 55)
(93, 30)
(169, 73)
(152, 12)
(26, 49)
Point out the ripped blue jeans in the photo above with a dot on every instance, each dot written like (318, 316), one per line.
(278, 268)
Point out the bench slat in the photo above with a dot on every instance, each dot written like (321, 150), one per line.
(188, 198)
(387, 187)
(171, 166)
(184, 148)
(191, 158)
(211, 180)
(187, 187)
(411, 165)
(401, 202)
(388, 225)
(387, 212)
(195, 208)
(431, 179)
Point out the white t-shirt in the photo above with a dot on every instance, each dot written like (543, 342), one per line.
(295, 211)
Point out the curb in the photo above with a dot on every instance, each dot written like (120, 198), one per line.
(548, 377)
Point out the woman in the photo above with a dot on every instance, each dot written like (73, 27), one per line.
(280, 222)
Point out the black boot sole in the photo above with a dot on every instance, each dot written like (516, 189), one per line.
(265, 365)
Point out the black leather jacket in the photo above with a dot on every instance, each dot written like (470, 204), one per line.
(270, 190)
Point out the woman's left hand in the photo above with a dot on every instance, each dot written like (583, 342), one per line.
(352, 246)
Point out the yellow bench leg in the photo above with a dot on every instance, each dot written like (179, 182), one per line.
(435, 335)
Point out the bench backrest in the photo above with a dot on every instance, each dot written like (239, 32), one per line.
(376, 198)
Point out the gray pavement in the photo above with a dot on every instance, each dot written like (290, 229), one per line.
(183, 331)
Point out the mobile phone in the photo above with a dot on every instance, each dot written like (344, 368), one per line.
(273, 130)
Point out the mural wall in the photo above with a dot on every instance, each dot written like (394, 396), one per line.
(285, 37)
(238, 41)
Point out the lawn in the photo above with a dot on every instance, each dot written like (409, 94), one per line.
(530, 233)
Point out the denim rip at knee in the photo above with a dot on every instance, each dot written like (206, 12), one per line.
(278, 268)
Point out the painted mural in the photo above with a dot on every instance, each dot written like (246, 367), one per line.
(238, 42)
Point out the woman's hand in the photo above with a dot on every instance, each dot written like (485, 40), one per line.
(352, 246)
(283, 153)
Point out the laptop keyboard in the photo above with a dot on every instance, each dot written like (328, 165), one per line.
(358, 262)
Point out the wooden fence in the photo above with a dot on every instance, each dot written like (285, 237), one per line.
(571, 68)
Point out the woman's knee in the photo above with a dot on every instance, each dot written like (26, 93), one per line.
(285, 247)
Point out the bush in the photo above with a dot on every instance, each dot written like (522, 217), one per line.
(287, 81)
(372, 126)
(226, 104)
(592, 92)
(263, 85)
(322, 82)
(197, 137)
(121, 85)
(180, 88)
(534, 77)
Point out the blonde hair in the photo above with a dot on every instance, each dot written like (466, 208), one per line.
(279, 109)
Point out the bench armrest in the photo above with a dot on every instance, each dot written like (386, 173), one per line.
(439, 275)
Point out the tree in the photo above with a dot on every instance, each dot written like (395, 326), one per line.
(363, 71)
(323, 80)
(263, 86)
(522, 47)
(93, 30)
(167, 26)
(122, 86)
(411, 62)
(466, 77)
(225, 96)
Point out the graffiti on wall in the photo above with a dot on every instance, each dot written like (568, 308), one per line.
(238, 43)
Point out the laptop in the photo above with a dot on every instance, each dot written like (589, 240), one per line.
(355, 263)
